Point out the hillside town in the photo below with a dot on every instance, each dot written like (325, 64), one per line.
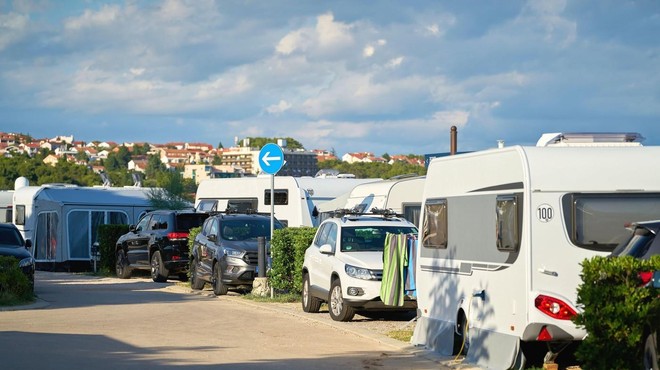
(195, 160)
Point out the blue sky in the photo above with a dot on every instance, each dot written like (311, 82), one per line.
(380, 76)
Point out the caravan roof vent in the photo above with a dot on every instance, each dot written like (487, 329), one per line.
(591, 139)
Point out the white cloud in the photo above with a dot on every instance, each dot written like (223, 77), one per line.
(368, 51)
(280, 107)
(12, 27)
(104, 17)
(137, 71)
(393, 63)
(433, 29)
(326, 36)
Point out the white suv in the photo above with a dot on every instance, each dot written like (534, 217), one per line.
(344, 264)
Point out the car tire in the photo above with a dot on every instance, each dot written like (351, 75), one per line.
(650, 353)
(309, 303)
(218, 287)
(159, 273)
(339, 310)
(121, 266)
(195, 282)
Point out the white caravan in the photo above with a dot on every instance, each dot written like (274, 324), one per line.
(295, 198)
(62, 220)
(502, 237)
(402, 195)
(6, 197)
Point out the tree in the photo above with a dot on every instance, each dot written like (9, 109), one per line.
(171, 192)
(220, 145)
(217, 160)
(154, 166)
(386, 157)
(258, 142)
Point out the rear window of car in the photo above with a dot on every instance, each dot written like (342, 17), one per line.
(187, 221)
(641, 244)
(369, 238)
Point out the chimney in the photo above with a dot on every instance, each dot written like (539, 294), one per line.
(452, 140)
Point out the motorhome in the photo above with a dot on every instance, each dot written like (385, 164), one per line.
(502, 235)
(62, 220)
(295, 198)
(402, 195)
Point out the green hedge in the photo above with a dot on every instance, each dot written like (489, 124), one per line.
(15, 287)
(615, 311)
(288, 252)
(108, 235)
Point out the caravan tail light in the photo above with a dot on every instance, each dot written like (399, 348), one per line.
(553, 307)
(177, 236)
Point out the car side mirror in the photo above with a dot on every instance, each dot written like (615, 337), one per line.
(213, 238)
(131, 228)
(656, 279)
(327, 249)
(28, 244)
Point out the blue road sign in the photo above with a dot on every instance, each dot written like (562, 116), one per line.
(271, 158)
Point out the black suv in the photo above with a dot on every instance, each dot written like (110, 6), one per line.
(158, 242)
(225, 251)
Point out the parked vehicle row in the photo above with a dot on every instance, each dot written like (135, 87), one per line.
(13, 245)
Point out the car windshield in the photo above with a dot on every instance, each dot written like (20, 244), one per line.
(10, 238)
(369, 238)
(640, 244)
(246, 229)
(187, 221)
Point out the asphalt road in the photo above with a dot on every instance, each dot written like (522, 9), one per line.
(84, 322)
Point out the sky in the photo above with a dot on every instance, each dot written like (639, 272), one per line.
(349, 76)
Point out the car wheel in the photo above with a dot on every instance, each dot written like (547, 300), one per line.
(309, 302)
(339, 310)
(218, 287)
(195, 282)
(121, 267)
(159, 273)
(650, 353)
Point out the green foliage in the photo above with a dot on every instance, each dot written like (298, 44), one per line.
(108, 235)
(118, 160)
(616, 310)
(154, 166)
(191, 240)
(258, 142)
(39, 173)
(172, 191)
(15, 287)
(374, 170)
(288, 253)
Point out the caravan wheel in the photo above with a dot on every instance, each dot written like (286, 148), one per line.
(461, 338)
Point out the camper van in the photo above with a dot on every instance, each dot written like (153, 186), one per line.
(62, 220)
(402, 195)
(502, 235)
(295, 198)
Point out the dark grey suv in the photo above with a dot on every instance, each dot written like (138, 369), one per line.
(159, 243)
(225, 251)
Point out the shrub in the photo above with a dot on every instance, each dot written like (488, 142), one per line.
(288, 252)
(108, 235)
(191, 239)
(616, 310)
(15, 287)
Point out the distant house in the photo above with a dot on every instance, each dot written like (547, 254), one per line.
(51, 159)
(173, 157)
(364, 157)
(178, 146)
(138, 164)
(103, 154)
(324, 155)
(198, 146)
(199, 172)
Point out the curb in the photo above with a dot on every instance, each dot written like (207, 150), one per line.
(38, 304)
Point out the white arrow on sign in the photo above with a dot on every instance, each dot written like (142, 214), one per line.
(266, 158)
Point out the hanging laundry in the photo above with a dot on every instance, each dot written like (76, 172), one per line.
(410, 288)
(395, 260)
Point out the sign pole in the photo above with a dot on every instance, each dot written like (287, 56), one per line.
(272, 225)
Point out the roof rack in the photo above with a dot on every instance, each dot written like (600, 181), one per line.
(232, 211)
(387, 212)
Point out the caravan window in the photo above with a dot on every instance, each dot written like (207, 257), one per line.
(434, 230)
(20, 215)
(598, 221)
(281, 197)
(207, 205)
(507, 229)
(411, 213)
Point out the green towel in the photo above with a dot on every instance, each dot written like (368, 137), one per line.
(395, 260)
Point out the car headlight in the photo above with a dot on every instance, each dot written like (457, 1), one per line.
(26, 262)
(360, 273)
(233, 253)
